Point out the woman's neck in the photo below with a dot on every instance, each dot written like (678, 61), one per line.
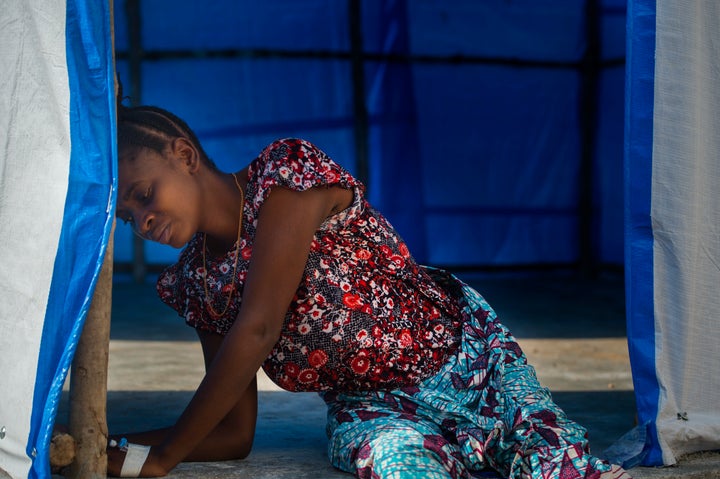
(223, 210)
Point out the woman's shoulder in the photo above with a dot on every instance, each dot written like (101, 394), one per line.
(298, 164)
(286, 150)
(284, 146)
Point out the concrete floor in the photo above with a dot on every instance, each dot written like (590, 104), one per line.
(572, 331)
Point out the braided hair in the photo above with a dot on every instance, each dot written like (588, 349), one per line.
(154, 128)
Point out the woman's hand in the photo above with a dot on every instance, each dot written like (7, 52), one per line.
(151, 468)
(116, 457)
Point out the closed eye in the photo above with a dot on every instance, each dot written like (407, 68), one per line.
(145, 197)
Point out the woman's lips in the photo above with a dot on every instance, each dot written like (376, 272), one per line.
(164, 235)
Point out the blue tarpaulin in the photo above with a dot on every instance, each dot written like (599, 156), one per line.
(474, 117)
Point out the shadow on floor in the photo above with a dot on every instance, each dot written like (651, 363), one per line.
(288, 419)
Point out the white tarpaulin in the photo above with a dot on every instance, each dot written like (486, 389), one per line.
(673, 224)
(56, 197)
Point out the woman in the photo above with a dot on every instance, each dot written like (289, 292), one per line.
(287, 267)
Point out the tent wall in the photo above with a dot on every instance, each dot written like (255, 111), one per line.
(673, 213)
(56, 207)
(490, 133)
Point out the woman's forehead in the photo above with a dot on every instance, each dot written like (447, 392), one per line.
(133, 153)
(140, 159)
(137, 167)
(129, 176)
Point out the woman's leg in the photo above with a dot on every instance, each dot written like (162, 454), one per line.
(372, 440)
(531, 436)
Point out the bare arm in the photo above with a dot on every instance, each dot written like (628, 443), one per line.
(286, 225)
(232, 438)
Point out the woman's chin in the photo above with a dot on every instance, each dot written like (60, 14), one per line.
(177, 241)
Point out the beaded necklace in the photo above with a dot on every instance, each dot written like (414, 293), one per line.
(210, 308)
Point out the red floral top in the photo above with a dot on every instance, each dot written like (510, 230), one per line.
(365, 315)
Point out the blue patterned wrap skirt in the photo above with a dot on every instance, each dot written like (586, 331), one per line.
(484, 414)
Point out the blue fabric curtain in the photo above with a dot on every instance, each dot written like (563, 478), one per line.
(473, 111)
(395, 180)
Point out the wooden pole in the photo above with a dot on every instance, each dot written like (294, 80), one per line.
(590, 74)
(88, 381)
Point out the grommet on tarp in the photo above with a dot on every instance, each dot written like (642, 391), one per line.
(2, 432)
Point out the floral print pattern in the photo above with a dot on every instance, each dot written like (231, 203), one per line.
(365, 316)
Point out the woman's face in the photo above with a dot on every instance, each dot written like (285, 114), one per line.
(157, 194)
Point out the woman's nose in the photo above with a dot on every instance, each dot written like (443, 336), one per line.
(142, 221)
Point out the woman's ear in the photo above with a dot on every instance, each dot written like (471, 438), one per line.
(186, 153)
